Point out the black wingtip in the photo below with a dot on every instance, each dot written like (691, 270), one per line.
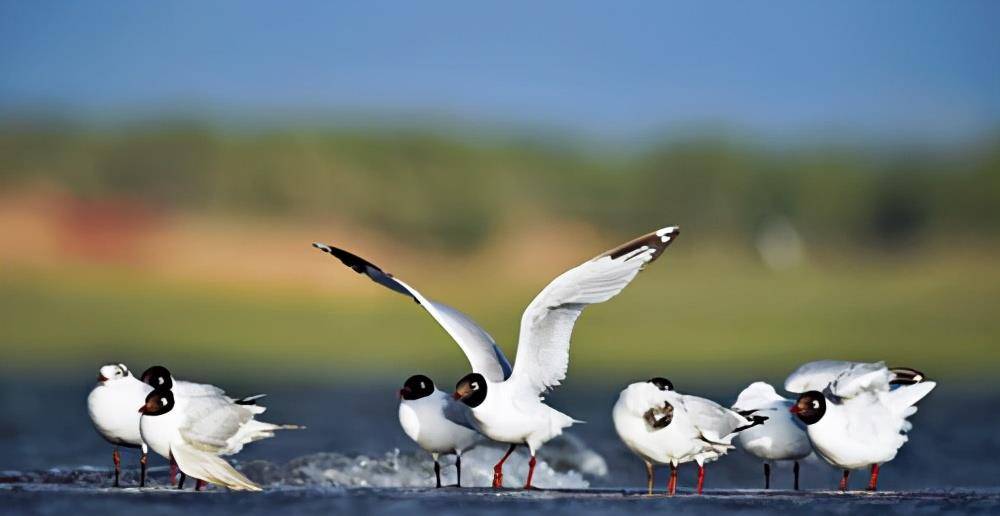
(906, 376)
(658, 241)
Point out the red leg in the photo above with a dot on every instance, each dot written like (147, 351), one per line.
(118, 464)
(873, 483)
(173, 472)
(531, 472)
(701, 477)
(672, 483)
(498, 469)
(199, 485)
(843, 481)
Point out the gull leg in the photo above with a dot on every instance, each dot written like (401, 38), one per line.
(180, 483)
(199, 485)
(437, 469)
(795, 469)
(173, 471)
(118, 464)
(531, 472)
(701, 477)
(498, 469)
(458, 469)
(672, 483)
(142, 468)
(649, 478)
(767, 476)
(843, 481)
(873, 482)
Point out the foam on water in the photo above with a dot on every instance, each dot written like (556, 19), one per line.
(560, 466)
(563, 465)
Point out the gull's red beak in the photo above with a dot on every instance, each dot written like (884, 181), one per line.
(456, 395)
(794, 409)
(142, 409)
(101, 378)
(404, 390)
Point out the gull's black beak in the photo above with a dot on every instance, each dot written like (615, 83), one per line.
(403, 391)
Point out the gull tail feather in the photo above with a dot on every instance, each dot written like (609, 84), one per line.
(210, 468)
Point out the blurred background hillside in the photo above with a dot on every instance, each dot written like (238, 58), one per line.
(163, 169)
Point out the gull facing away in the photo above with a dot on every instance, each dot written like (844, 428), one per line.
(111, 405)
(506, 404)
(781, 438)
(856, 412)
(196, 430)
(662, 426)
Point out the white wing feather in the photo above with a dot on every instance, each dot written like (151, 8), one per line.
(547, 323)
(210, 468)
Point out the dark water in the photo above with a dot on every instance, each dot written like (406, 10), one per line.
(52, 461)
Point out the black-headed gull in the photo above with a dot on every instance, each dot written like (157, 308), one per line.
(480, 349)
(856, 412)
(512, 410)
(663, 426)
(111, 405)
(196, 428)
(781, 438)
(436, 422)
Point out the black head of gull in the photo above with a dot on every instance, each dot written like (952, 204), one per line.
(661, 383)
(157, 377)
(810, 407)
(158, 402)
(416, 387)
(471, 389)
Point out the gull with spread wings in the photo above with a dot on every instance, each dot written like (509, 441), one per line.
(504, 403)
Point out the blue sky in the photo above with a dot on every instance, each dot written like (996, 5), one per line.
(887, 68)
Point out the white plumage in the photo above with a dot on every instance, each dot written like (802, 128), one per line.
(112, 405)
(195, 430)
(666, 427)
(511, 410)
(782, 437)
(858, 418)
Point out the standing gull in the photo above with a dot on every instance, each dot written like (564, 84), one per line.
(856, 412)
(512, 411)
(781, 438)
(662, 426)
(111, 405)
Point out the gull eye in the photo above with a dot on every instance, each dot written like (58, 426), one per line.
(163, 402)
(815, 404)
(475, 385)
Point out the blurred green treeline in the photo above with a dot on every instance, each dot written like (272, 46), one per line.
(450, 190)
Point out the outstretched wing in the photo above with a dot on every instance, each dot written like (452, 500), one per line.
(482, 351)
(547, 323)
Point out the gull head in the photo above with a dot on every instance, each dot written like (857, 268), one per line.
(111, 372)
(157, 377)
(810, 407)
(158, 402)
(471, 389)
(661, 383)
(416, 387)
